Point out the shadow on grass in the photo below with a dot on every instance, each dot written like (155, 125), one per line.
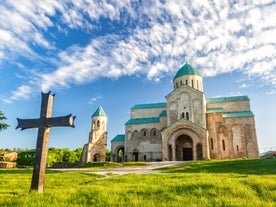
(242, 166)
(16, 171)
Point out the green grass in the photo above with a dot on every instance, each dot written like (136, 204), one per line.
(203, 183)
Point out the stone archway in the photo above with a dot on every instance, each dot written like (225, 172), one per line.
(183, 148)
(120, 154)
(135, 155)
(97, 157)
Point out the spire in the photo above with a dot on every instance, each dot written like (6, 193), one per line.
(99, 112)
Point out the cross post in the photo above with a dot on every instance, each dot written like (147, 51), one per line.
(44, 124)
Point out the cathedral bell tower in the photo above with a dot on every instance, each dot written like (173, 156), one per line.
(95, 149)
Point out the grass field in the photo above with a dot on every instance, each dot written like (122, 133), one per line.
(202, 183)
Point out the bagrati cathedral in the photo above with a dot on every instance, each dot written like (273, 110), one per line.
(187, 126)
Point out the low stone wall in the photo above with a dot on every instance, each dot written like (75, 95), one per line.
(7, 164)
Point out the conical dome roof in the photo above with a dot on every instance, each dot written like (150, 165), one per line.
(186, 70)
(99, 112)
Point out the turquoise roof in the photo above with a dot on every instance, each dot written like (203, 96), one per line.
(163, 113)
(214, 110)
(99, 112)
(148, 106)
(119, 138)
(186, 70)
(143, 120)
(237, 114)
(227, 99)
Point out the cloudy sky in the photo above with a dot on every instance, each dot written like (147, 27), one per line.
(120, 53)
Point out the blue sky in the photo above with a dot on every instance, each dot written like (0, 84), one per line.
(121, 53)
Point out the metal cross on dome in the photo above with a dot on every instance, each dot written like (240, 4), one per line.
(44, 124)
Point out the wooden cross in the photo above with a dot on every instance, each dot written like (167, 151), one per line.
(44, 123)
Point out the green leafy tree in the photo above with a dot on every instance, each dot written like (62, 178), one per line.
(3, 125)
(107, 155)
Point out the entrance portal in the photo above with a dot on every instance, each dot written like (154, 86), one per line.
(184, 148)
(135, 154)
(120, 154)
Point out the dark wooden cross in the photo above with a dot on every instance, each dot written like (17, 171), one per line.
(44, 123)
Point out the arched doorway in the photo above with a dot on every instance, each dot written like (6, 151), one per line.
(135, 154)
(97, 157)
(120, 154)
(184, 148)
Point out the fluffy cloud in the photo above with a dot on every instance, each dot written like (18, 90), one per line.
(156, 38)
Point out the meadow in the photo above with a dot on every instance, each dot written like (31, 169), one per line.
(242, 182)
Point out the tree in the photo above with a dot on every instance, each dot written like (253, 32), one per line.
(3, 125)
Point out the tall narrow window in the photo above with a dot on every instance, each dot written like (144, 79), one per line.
(154, 133)
(145, 133)
(186, 82)
(181, 82)
(223, 145)
(98, 124)
(212, 144)
(192, 83)
(187, 115)
(237, 147)
(183, 115)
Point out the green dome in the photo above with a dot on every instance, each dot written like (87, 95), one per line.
(186, 70)
(99, 112)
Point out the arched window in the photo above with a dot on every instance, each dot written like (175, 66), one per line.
(186, 82)
(145, 133)
(192, 83)
(181, 82)
(212, 143)
(187, 115)
(183, 115)
(98, 124)
(154, 133)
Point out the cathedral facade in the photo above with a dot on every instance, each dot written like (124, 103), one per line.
(188, 126)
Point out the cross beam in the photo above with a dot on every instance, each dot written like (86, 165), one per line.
(44, 123)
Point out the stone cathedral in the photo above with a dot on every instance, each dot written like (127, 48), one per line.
(95, 149)
(188, 126)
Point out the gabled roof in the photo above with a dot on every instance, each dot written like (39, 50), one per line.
(148, 106)
(119, 138)
(227, 99)
(237, 114)
(143, 120)
(99, 112)
(186, 70)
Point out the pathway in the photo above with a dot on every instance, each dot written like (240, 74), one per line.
(146, 169)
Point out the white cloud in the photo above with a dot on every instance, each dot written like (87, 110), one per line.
(22, 92)
(94, 99)
(271, 92)
(214, 36)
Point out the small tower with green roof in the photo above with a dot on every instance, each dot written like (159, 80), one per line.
(95, 149)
